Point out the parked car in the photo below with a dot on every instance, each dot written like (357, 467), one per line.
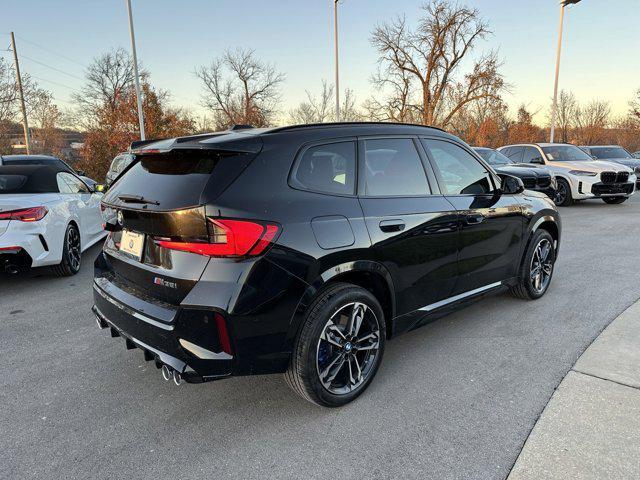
(38, 160)
(615, 154)
(118, 164)
(578, 175)
(48, 216)
(636, 154)
(533, 177)
(301, 250)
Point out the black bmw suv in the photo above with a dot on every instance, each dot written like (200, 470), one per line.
(301, 250)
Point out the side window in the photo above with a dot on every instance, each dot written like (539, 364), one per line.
(116, 164)
(74, 185)
(329, 168)
(63, 186)
(392, 167)
(460, 172)
(531, 155)
(514, 154)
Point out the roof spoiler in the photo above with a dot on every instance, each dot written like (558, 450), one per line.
(141, 143)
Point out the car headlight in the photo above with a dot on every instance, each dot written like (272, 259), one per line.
(582, 173)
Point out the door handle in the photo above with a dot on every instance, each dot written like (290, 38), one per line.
(389, 226)
(474, 219)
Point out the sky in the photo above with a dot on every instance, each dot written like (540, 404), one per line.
(56, 40)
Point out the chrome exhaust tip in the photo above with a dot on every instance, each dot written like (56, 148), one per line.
(166, 372)
(177, 378)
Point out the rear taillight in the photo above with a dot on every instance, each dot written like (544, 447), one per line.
(25, 215)
(230, 238)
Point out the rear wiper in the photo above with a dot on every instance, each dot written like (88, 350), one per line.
(136, 199)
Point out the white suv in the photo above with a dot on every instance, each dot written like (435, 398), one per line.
(579, 176)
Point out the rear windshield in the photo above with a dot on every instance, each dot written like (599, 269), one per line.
(177, 179)
(36, 182)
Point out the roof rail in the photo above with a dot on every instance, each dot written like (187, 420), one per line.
(240, 126)
(337, 124)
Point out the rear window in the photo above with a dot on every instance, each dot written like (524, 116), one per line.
(12, 183)
(178, 179)
(328, 168)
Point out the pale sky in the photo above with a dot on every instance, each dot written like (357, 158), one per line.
(600, 57)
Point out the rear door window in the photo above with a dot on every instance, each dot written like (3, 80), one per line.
(393, 168)
(514, 154)
(328, 168)
(460, 172)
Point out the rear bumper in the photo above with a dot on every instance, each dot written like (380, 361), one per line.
(167, 337)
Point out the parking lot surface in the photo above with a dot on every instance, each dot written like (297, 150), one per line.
(454, 399)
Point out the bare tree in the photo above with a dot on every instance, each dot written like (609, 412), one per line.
(423, 66)
(240, 89)
(320, 108)
(565, 114)
(634, 110)
(107, 78)
(591, 121)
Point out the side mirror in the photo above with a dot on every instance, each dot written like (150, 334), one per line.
(537, 160)
(99, 188)
(80, 173)
(510, 185)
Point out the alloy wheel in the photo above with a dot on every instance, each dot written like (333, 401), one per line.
(347, 349)
(73, 249)
(561, 193)
(541, 266)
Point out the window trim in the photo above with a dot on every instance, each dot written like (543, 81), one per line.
(429, 175)
(492, 175)
(292, 181)
(540, 151)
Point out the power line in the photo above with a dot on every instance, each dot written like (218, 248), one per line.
(56, 83)
(52, 68)
(51, 51)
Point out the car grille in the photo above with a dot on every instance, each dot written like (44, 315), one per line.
(529, 182)
(622, 177)
(602, 189)
(608, 177)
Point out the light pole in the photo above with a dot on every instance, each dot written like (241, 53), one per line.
(554, 107)
(335, 39)
(135, 71)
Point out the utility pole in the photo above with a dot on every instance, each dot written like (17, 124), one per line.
(25, 124)
(135, 71)
(335, 39)
(554, 106)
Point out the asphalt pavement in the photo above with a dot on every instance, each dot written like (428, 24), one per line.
(454, 399)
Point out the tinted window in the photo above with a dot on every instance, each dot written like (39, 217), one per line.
(531, 155)
(13, 183)
(36, 161)
(566, 153)
(460, 172)
(327, 168)
(514, 154)
(610, 152)
(392, 167)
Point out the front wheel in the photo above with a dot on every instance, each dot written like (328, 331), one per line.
(71, 253)
(537, 267)
(563, 194)
(339, 348)
(614, 200)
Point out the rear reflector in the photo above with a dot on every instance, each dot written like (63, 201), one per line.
(25, 215)
(10, 249)
(229, 238)
(223, 333)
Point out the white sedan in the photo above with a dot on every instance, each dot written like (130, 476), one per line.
(47, 217)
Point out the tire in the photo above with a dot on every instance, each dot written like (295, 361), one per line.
(563, 194)
(329, 316)
(71, 253)
(614, 200)
(528, 287)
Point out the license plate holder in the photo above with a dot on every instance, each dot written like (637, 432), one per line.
(132, 243)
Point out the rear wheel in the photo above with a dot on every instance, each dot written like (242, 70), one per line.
(71, 253)
(537, 267)
(563, 194)
(614, 200)
(339, 348)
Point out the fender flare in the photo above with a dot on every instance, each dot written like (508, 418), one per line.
(364, 266)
